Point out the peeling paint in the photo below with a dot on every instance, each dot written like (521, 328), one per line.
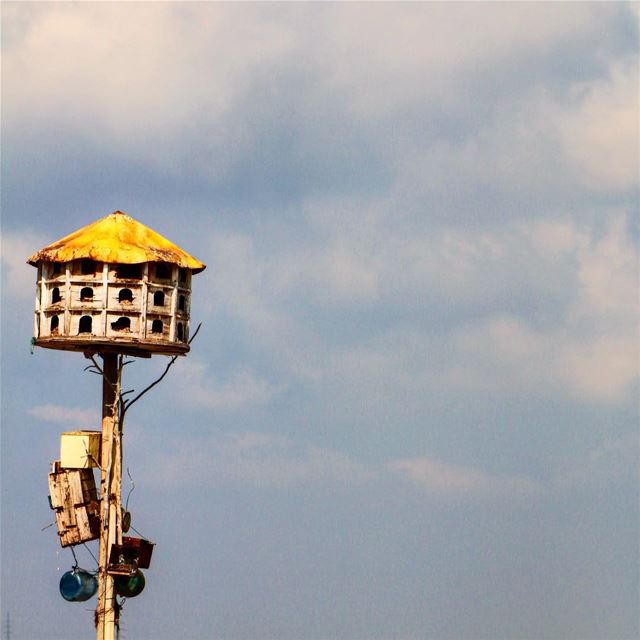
(116, 238)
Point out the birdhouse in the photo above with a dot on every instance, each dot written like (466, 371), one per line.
(114, 285)
(132, 554)
(73, 497)
(79, 449)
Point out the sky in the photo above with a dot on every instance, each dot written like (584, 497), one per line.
(412, 408)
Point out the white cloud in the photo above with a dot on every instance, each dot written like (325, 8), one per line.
(577, 333)
(19, 278)
(256, 459)
(608, 275)
(137, 89)
(615, 459)
(601, 133)
(123, 77)
(503, 353)
(591, 351)
(439, 478)
(422, 52)
(72, 417)
(198, 387)
(601, 369)
(556, 237)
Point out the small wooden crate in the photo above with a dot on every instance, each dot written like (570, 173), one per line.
(79, 449)
(74, 498)
(132, 551)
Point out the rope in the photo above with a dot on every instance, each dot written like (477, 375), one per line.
(75, 566)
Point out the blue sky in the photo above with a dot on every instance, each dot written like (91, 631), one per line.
(411, 411)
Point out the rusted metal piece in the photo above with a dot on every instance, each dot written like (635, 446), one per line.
(131, 555)
(140, 549)
(116, 238)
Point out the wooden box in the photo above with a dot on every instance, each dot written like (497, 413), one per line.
(80, 449)
(132, 550)
(74, 498)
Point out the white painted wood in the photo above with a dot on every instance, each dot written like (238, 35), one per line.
(66, 323)
(105, 308)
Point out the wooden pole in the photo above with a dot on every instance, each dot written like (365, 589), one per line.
(107, 618)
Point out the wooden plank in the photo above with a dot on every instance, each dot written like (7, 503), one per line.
(75, 488)
(89, 490)
(82, 521)
(69, 537)
(127, 346)
(65, 519)
(55, 491)
(86, 526)
(68, 517)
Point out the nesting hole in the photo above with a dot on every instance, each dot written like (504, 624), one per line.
(163, 270)
(86, 323)
(129, 271)
(121, 324)
(125, 296)
(87, 267)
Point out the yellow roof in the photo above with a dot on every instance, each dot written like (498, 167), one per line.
(116, 238)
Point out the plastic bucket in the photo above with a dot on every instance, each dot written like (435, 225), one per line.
(78, 585)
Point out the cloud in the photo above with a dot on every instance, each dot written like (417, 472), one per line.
(19, 278)
(591, 352)
(388, 46)
(600, 135)
(140, 93)
(608, 269)
(72, 417)
(94, 69)
(615, 460)
(439, 478)
(197, 387)
(543, 306)
(504, 354)
(261, 460)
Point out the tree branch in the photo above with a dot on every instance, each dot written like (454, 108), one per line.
(127, 403)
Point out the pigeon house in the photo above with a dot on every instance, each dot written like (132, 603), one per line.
(114, 285)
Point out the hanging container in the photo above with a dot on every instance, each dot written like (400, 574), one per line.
(78, 585)
(129, 586)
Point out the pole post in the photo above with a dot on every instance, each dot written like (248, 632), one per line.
(107, 618)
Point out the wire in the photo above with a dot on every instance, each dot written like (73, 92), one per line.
(133, 486)
(142, 536)
(75, 566)
(91, 553)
